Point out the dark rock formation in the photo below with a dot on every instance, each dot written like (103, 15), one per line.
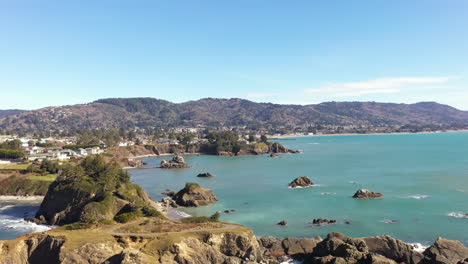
(168, 202)
(205, 175)
(193, 195)
(282, 223)
(445, 251)
(276, 147)
(366, 194)
(321, 222)
(169, 192)
(274, 155)
(392, 248)
(303, 181)
(274, 248)
(177, 162)
(338, 248)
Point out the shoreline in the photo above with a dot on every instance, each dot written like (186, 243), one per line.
(368, 134)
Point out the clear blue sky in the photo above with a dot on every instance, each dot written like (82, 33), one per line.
(298, 52)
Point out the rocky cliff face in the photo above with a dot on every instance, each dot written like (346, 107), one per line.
(228, 247)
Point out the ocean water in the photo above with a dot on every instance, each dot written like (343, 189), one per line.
(424, 178)
(12, 224)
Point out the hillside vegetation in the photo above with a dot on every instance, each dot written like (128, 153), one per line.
(149, 112)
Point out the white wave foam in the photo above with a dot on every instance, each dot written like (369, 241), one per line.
(353, 182)
(22, 226)
(418, 247)
(418, 197)
(327, 193)
(289, 260)
(300, 187)
(315, 143)
(458, 215)
(4, 207)
(389, 221)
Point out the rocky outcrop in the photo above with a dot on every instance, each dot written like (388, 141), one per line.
(392, 248)
(169, 192)
(90, 192)
(205, 175)
(445, 251)
(322, 222)
(275, 249)
(338, 248)
(366, 194)
(301, 182)
(177, 162)
(276, 147)
(194, 195)
(224, 247)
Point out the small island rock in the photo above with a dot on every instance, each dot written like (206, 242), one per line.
(366, 194)
(321, 222)
(205, 175)
(177, 162)
(282, 223)
(194, 195)
(303, 181)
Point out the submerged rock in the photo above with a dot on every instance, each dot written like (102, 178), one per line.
(177, 162)
(169, 192)
(205, 175)
(321, 222)
(366, 194)
(303, 181)
(194, 195)
(282, 223)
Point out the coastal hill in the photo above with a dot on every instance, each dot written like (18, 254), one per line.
(10, 112)
(149, 112)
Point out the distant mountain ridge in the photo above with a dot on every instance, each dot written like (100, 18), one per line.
(150, 112)
(10, 112)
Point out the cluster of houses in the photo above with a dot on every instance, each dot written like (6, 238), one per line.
(57, 153)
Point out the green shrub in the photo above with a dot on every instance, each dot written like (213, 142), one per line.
(202, 219)
(196, 219)
(150, 211)
(107, 222)
(77, 225)
(191, 186)
(126, 217)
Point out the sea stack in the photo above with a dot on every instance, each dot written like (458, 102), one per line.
(366, 194)
(301, 182)
(193, 195)
(177, 162)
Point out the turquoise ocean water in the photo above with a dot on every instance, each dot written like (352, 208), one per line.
(424, 178)
(403, 167)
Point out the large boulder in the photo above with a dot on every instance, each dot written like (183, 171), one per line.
(194, 195)
(301, 182)
(205, 175)
(445, 251)
(338, 248)
(177, 162)
(392, 248)
(366, 194)
(275, 248)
